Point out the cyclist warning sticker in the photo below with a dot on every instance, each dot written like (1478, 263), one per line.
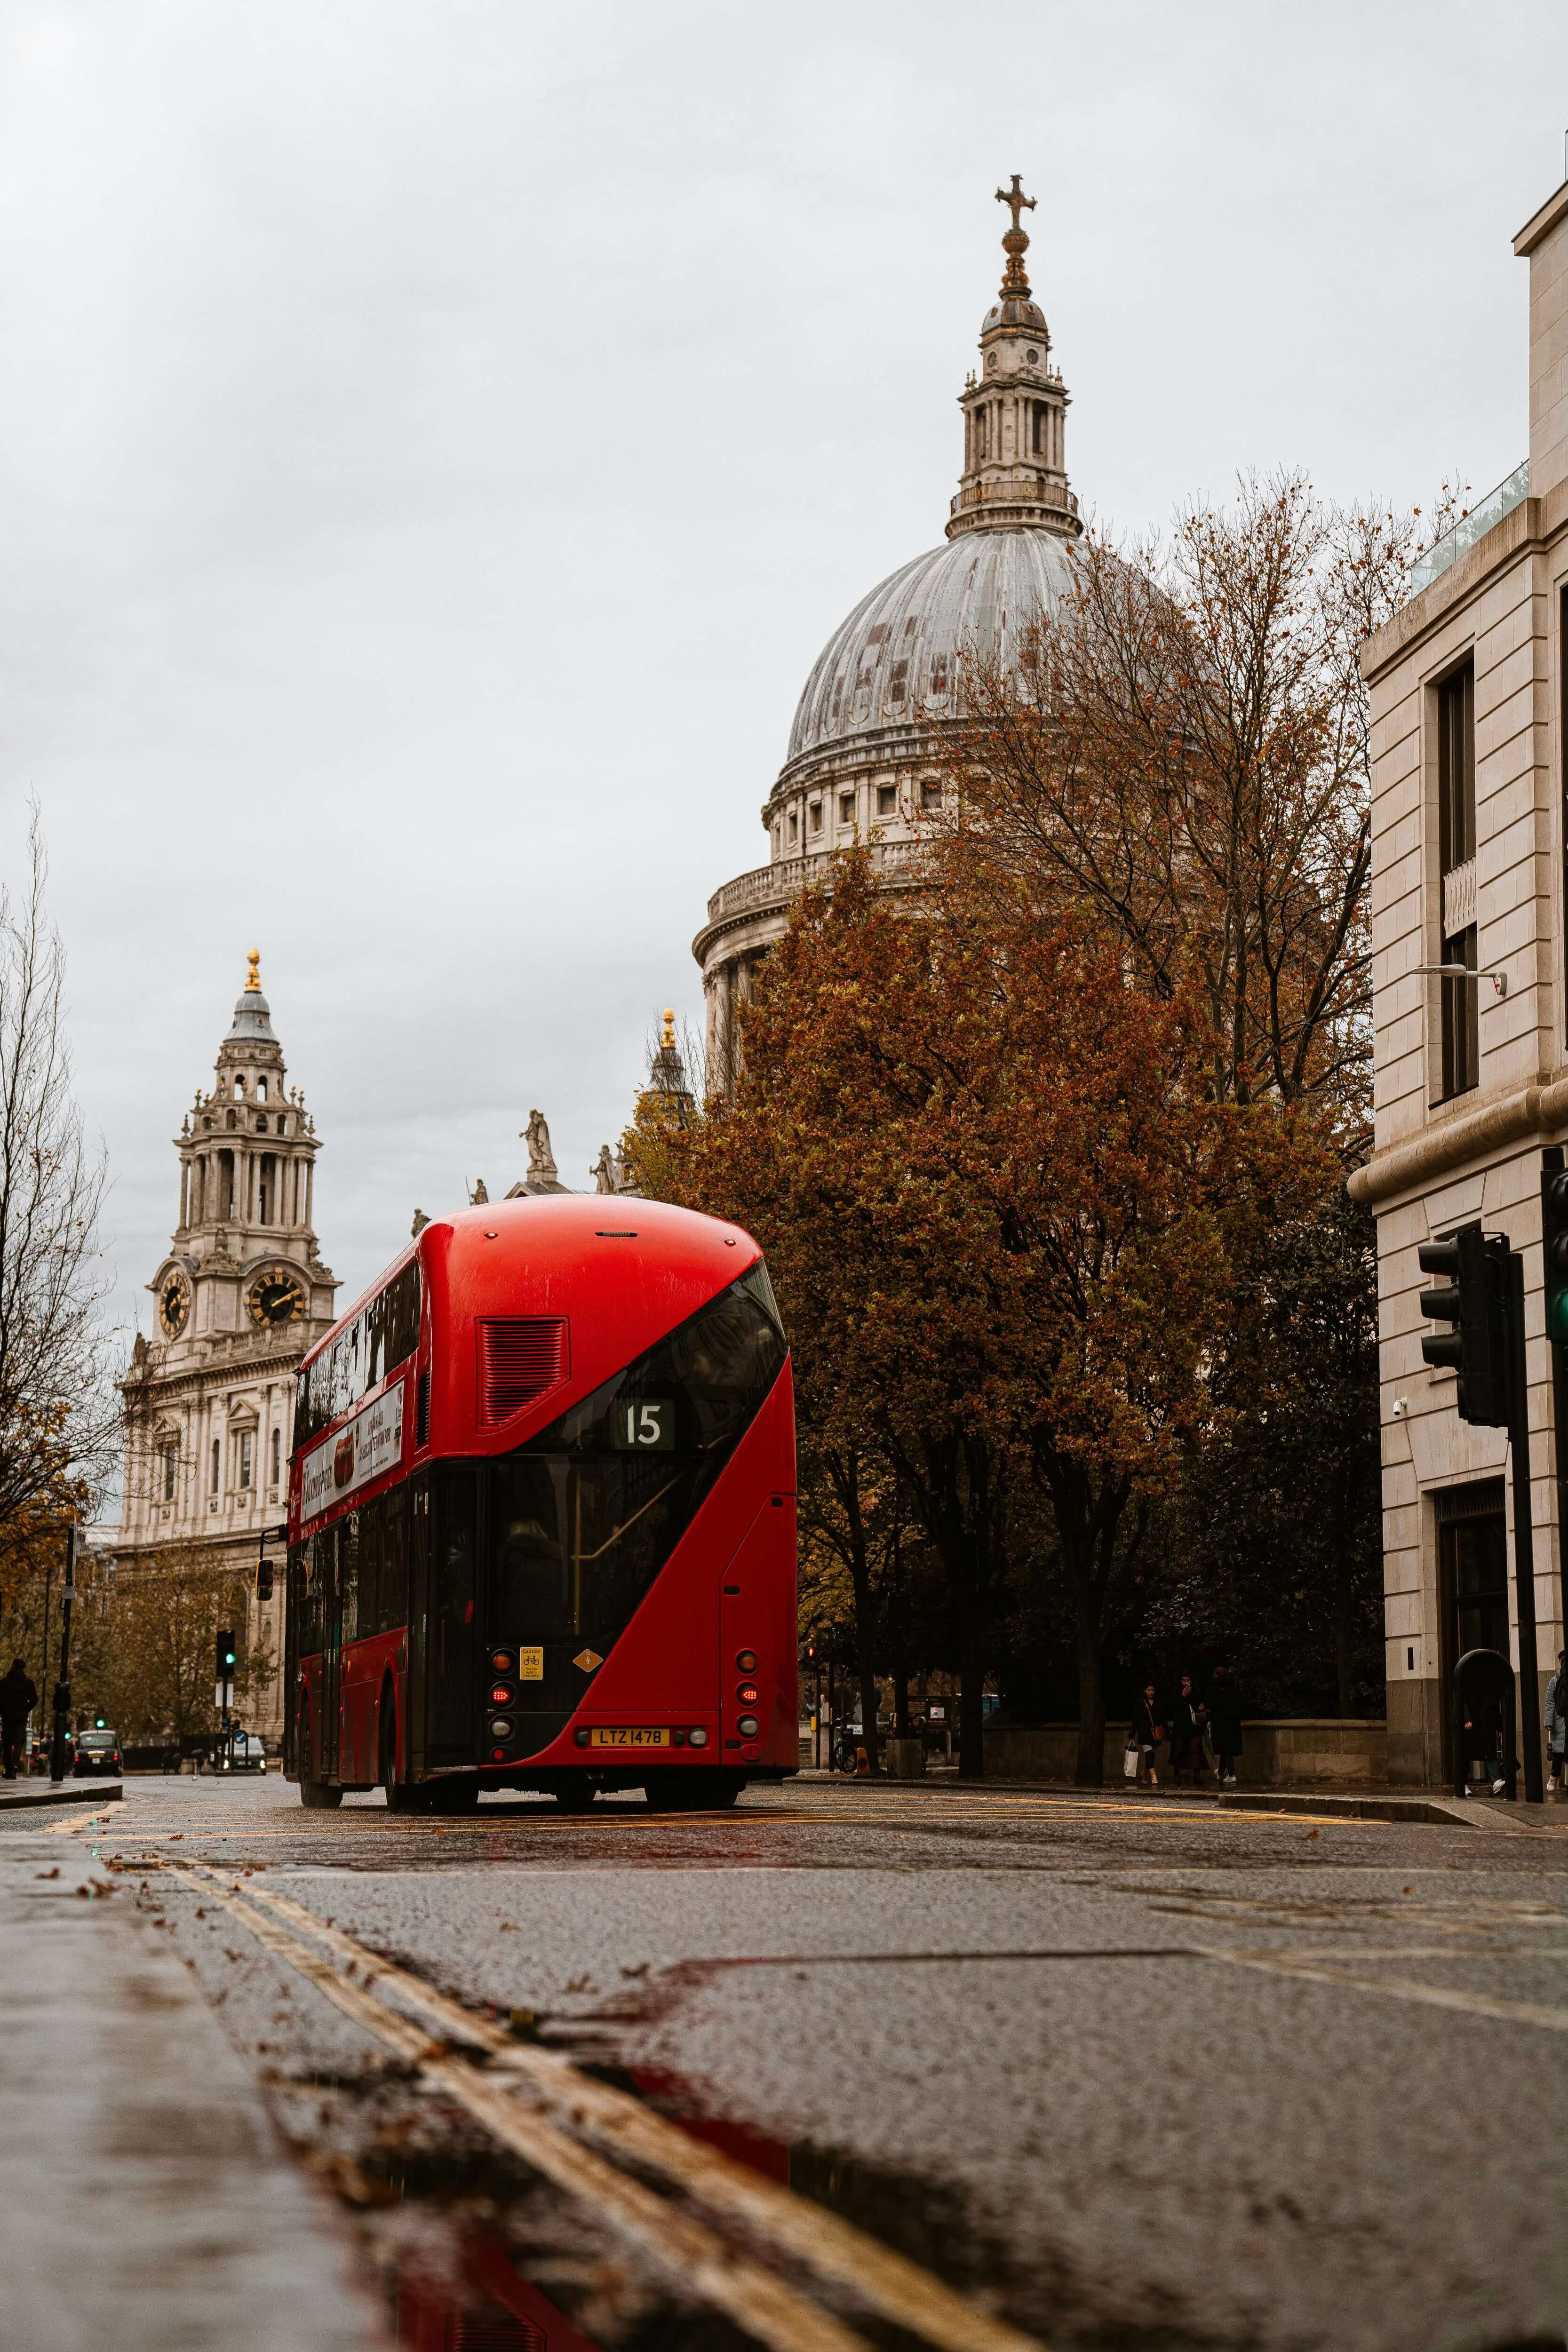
(364, 1447)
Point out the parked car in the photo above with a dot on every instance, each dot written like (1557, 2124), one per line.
(245, 1753)
(96, 1755)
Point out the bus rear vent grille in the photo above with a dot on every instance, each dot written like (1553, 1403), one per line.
(519, 1357)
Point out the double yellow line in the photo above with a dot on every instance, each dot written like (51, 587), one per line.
(541, 2108)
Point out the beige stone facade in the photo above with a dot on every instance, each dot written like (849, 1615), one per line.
(1467, 684)
(242, 1293)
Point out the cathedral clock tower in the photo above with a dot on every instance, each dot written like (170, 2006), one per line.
(242, 1293)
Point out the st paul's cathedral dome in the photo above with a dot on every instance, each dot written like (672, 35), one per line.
(890, 676)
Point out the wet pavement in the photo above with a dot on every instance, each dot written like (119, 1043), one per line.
(811, 2072)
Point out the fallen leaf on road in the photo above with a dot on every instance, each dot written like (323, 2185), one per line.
(48, 1874)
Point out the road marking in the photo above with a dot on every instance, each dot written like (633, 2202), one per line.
(372, 1822)
(72, 1822)
(900, 2290)
(758, 2301)
(1474, 2004)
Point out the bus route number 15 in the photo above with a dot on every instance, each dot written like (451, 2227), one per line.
(646, 1425)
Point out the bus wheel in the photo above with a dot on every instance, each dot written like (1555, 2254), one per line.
(399, 1797)
(691, 1792)
(453, 1796)
(576, 1794)
(316, 1796)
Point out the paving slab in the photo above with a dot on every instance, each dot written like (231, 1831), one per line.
(146, 2202)
(20, 1795)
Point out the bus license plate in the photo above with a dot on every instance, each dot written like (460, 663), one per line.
(622, 1739)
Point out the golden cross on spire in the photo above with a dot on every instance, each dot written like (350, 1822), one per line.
(253, 977)
(1014, 240)
(1015, 198)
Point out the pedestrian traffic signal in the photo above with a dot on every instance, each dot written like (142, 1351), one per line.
(1554, 1252)
(225, 1657)
(1474, 1300)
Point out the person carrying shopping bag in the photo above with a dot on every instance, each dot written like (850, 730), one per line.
(1148, 1732)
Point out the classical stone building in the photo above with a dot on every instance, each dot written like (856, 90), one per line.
(888, 679)
(1468, 684)
(242, 1293)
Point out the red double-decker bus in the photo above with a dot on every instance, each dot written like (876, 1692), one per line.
(541, 1520)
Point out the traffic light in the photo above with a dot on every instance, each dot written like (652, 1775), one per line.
(225, 1657)
(264, 1579)
(101, 1722)
(1475, 1300)
(1554, 1252)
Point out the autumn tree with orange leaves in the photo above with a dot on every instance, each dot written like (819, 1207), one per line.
(1000, 1207)
(1181, 751)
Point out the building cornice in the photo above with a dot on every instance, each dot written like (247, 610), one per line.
(1542, 223)
(1532, 525)
(1459, 1142)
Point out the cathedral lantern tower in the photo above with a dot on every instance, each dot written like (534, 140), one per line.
(242, 1293)
(1015, 409)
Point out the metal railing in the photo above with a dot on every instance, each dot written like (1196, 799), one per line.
(1482, 517)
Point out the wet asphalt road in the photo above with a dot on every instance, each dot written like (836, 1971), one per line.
(1121, 2072)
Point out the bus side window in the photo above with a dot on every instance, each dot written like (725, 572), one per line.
(395, 1560)
(348, 1575)
(371, 1520)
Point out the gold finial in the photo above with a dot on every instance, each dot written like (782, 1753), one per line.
(1014, 241)
(253, 977)
(668, 1040)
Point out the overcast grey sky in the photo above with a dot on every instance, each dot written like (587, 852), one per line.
(438, 436)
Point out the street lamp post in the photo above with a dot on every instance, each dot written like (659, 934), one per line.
(62, 1688)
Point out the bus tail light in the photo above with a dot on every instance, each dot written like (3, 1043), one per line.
(502, 1727)
(747, 1726)
(697, 1739)
(582, 1736)
(745, 1661)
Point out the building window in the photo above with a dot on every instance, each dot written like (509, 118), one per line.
(816, 816)
(846, 808)
(931, 797)
(261, 1091)
(276, 1455)
(794, 823)
(887, 799)
(1457, 852)
(217, 1465)
(166, 1462)
(246, 1456)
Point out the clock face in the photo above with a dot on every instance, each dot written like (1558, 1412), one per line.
(174, 1306)
(276, 1296)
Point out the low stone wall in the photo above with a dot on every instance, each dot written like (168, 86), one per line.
(1287, 1753)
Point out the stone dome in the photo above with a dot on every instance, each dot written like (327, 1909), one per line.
(895, 659)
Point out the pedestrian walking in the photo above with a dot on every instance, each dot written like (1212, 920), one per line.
(1224, 1726)
(1188, 1716)
(1148, 1730)
(17, 1700)
(1557, 1728)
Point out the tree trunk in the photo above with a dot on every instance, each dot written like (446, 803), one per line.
(864, 1611)
(1091, 1769)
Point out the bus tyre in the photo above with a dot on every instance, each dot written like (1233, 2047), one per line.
(386, 1743)
(316, 1796)
(454, 1796)
(691, 1792)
